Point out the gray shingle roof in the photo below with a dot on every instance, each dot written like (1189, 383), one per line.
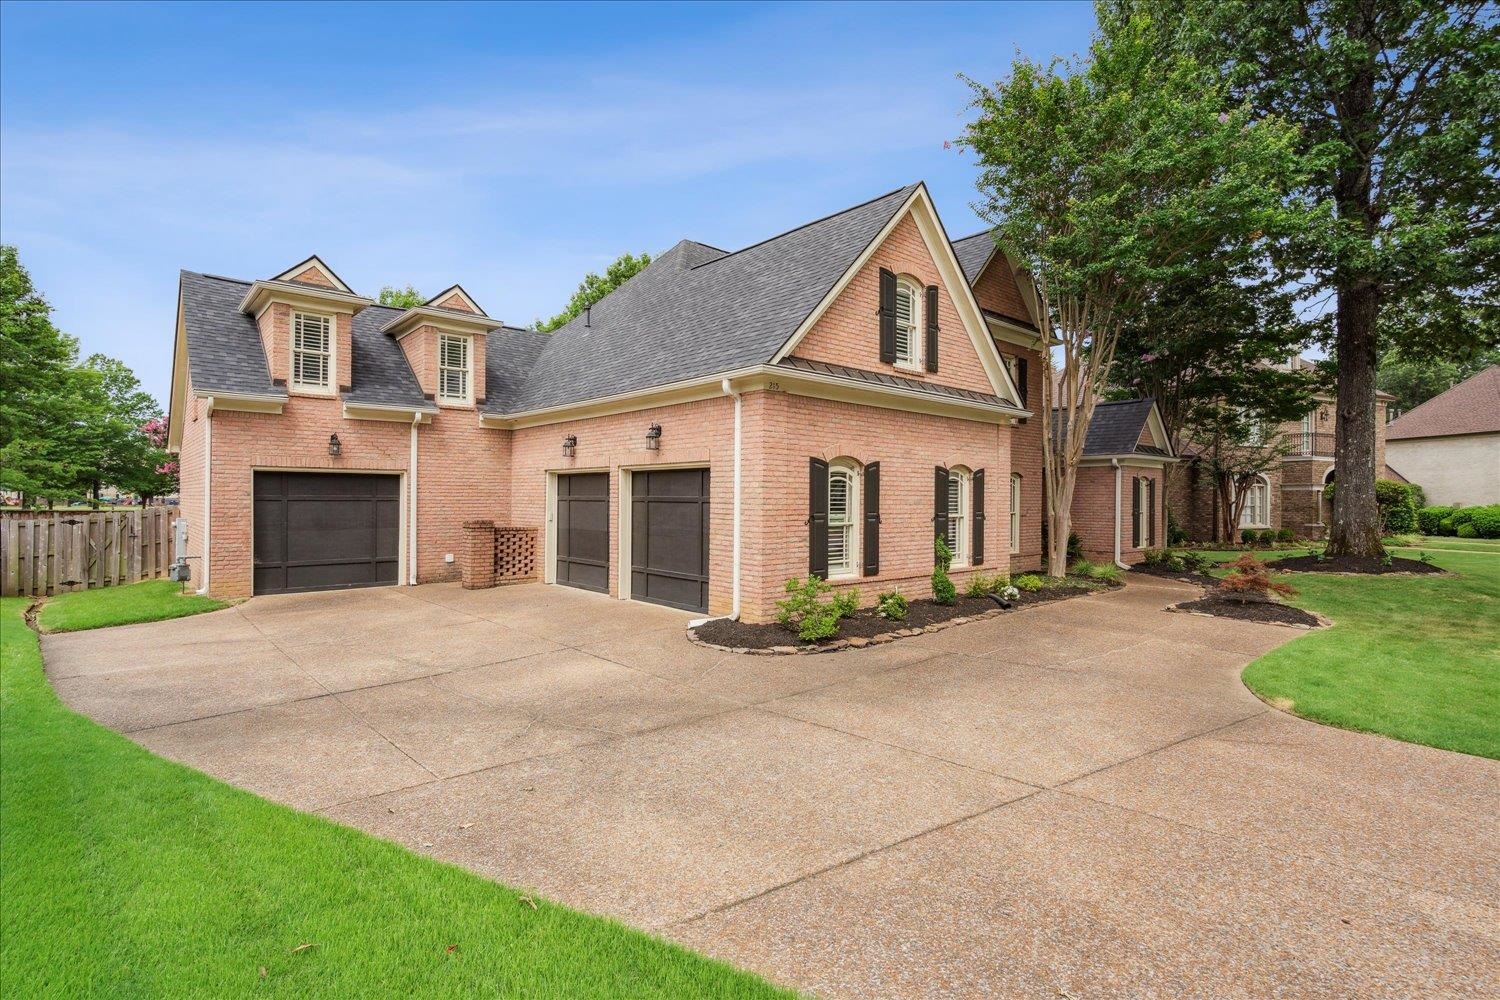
(1115, 429)
(894, 381)
(380, 370)
(973, 253)
(698, 311)
(224, 348)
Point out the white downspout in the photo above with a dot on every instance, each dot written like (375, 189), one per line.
(412, 527)
(208, 478)
(1115, 462)
(734, 611)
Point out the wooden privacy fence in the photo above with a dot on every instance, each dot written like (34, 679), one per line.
(42, 554)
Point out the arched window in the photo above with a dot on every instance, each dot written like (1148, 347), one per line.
(1257, 510)
(843, 518)
(1015, 512)
(908, 310)
(959, 493)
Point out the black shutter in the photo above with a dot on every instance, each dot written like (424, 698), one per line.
(932, 327)
(872, 519)
(1135, 512)
(817, 518)
(887, 317)
(1151, 513)
(977, 519)
(939, 505)
(1021, 378)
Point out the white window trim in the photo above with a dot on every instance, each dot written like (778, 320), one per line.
(1264, 521)
(467, 398)
(917, 340)
(962, 526)
(854, 552)
(312, 389)
(1015, 513)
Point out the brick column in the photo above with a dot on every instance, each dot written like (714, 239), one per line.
(478, 555)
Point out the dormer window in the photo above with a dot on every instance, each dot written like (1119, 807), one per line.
(907, 298)
(312, 351)
(454, 376)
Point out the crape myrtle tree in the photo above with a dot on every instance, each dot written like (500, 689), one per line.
(1397, 102)
(1107, 180)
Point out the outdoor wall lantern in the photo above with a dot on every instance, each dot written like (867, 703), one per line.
(653, 437)
(570, 445)
(334, 448)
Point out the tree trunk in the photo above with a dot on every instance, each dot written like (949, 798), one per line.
(1354, 527)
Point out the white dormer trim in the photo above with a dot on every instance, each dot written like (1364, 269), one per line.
(450, 290)
(324, 269)
(1158, 430)
(444, 319)
(263, 293)
(920, 207)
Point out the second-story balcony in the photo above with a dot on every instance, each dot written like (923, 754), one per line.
(1309, 443)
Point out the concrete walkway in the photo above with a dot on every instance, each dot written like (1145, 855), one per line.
(1074, 800)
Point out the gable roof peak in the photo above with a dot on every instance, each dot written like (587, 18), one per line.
(312, 271)
(455, 299)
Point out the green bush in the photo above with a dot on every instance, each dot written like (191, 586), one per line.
(1105, 572)
(1486, 521)
(1082, 567)
(1462, 515)
(1075, 547)
(1418, 495)
(892, 605)
(1248, 536)
(1447, 527)
(1267, 537)
(1194, 562)
(1429, 519)
(805, 609)
(1286, 535)
(1028, 582)
(1154, 557)
(1176, 535)
(1398, 511)
(1467, 531)
(943, 590)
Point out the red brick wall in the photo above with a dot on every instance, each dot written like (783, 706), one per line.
(849, 332)
(314, 276)
(275, 322)
(996, 290)
(1093, 513)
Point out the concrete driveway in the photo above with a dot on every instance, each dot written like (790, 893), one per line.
(1074, 800)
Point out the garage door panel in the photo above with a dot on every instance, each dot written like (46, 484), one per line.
(583, 531)
(676, 536)
(322, 531)
(669, 537)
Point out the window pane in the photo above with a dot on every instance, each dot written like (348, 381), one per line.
(955, 511)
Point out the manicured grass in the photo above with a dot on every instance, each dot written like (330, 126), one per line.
(1412, 657)
(151, 601)
(125, 875)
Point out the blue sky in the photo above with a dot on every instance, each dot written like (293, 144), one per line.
(508, 148)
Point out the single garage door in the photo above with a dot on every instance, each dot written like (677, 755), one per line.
(669, 538)
(583, 530)
(325, 531)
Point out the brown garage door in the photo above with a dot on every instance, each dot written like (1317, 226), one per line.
(583, 530)
(669, 538)
(325, 531)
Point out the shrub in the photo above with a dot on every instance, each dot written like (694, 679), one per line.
(1250, 580)
(1105, 572)
(1194, 562)
(1083, 567)
(1429, 519)
(1486, 521)
(1286, 535)
(805, 609)
(1398, 512)
(1467, 531)
(892, 605)
(943, 590)
(1462, 515)
(1155, 557)
(1267, 537)
(1248, 536)
(1075, 547)
(1009, 593)
(1418, 495)
(1447, 527)
(1028, 582)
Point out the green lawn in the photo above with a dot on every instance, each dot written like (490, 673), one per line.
(125, 875)
(1413, 657)
(151, 601)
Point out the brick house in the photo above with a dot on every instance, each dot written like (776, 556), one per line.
(1119, 498)
(822, 401)
(1289, 495)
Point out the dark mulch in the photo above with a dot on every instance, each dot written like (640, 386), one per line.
(1180, 575)
(865, 623)
(1250, 611)
(1350, 564)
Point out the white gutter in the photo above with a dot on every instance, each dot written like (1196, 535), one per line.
(734, 611)
(1115, 463)
(412, 528)
(208, 478)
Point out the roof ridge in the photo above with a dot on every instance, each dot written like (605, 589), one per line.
(814, 222)
(982, 232)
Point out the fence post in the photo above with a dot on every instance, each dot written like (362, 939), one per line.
(478, 554)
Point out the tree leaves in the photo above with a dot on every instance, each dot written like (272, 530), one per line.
(594, 287)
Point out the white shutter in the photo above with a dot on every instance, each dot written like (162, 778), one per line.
(840, 523)
(311, 337)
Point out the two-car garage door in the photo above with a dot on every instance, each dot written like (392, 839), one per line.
(668, 535)
(325, 531)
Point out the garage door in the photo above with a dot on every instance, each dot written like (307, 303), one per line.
(669, 538)
(322, 531)
(583, 530)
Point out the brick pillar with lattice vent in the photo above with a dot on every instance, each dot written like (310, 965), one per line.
(478, 555)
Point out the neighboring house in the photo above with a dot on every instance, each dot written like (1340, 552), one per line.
(1450, 445)
(1288, 495)
(823, 401)
(1119, 498)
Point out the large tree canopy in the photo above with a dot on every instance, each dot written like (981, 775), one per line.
(594, 287)
(1112, 182)
(1397, 103)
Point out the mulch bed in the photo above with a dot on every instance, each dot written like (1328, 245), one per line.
(1350, 564)
(1252, 611)
(1180, 575)
(865, 627)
